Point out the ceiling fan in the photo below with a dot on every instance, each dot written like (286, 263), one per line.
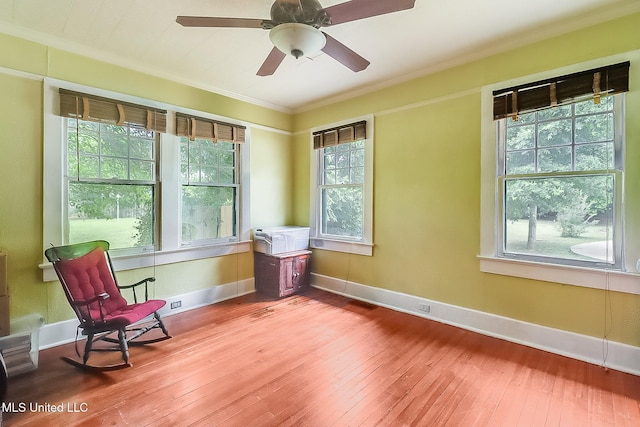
(294, 28)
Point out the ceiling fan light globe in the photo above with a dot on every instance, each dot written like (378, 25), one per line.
(297, 39)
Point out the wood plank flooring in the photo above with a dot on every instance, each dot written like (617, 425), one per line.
(323, 360)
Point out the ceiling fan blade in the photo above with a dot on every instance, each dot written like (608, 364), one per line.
(360, 9)
(206, 21)
(344, 55)
(273, 61)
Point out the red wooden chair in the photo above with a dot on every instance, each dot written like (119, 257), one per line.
(87, 276)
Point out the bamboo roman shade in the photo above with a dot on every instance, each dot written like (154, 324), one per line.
(97, 109)
(340, 135)
(198, 127)
(534, 96)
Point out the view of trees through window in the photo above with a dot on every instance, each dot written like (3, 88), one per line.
(111, 183)
(559, 184)
(209, 185)
(342, 190)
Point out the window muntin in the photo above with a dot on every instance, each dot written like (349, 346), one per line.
(111, 184)
(341, 177)
(559, 175)
(209, 181)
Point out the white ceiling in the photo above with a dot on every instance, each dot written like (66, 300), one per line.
(143, 35)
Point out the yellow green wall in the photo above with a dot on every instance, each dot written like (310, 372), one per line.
(427, 189)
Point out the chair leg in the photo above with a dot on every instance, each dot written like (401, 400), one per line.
(87, 348)
(124, 347)
(157, 316)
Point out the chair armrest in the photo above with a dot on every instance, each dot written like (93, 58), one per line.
(78, 304)
(100, 297)
(135, 285)
(148, 279)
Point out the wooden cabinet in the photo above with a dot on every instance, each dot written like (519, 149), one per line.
(283, 274)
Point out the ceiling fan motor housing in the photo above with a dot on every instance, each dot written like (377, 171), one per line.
(308, 12)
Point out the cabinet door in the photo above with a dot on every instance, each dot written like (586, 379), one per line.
(301, 272)
(287, 285)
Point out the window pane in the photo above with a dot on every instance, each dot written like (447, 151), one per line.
(342, 158)
(208, 153)
(89, 143)
(115, 145)
(519, 162)
(112, 168)
(141, 148)
(329, 159)
(202, 161)
(120, 214)
(525, 118)
(342, 211)
(561, 217)
(141, 170)
(594, 128)
(555, 113)
(520, 137)
(227, 158)
(207, 212)
(554, 159)
(343, 176)
(89, 167)
(588, 106)
(594, 156)
(208, 174)
(357, 175)
(226, 176)
(556, 132)
(357, 158)
(329, 176)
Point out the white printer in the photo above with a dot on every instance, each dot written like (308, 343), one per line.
(281, 239)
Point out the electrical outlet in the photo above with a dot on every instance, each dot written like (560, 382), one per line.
(424, 307)
(176, 304)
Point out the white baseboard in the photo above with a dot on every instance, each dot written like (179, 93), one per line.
(610, 354)
(619, 356)
(64, 332)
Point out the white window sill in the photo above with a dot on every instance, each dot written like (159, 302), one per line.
(357, 248)
(150, 259)
(613, 280)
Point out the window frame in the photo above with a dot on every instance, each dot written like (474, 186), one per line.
(168, 247)
(318, 240)
(236, 188)
(624, 280)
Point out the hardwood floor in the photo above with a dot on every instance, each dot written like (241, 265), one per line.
(322, 360)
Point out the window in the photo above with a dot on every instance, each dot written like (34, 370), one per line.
(560, 172)
(115, 170)
(111, 184)
(342, 187)
(342, 191)
(209, 190)
(557, 169)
